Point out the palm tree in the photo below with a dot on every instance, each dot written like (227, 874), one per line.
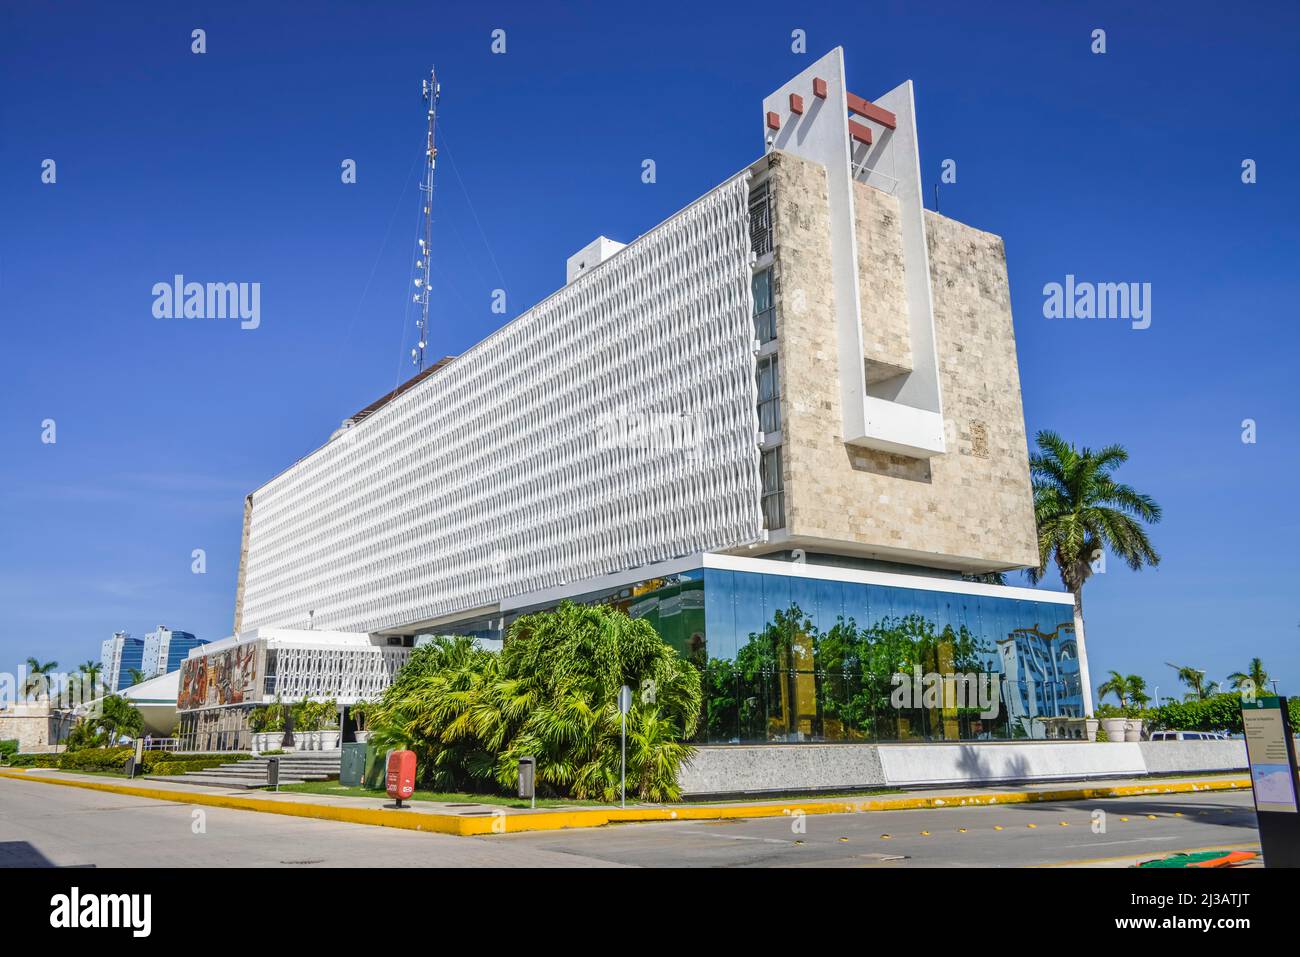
(550, 693)
(1194, 679)
(113, 719)
(88, 673)
(1127, 688)
(1137, 691)
(1118, 686)
(137, 676)
(1255, 674)
(1079, 508)
(38, 679)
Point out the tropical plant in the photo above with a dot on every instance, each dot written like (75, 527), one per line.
(550, 693)
(267, 717)
(88, 673)
(1080, 509)
(38, 678)
(1130, 690)
(112, 719)
(1198, 689)
(1254, 674)
(1116, 685)
(359, 713)
(310, 715)
(136, 675)
(1137, 692)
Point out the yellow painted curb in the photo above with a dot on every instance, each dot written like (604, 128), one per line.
(550, 820)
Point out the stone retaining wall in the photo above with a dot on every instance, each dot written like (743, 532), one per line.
(737, 769)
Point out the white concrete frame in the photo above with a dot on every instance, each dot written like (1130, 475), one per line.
(902, 415)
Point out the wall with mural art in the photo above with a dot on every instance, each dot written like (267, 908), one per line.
(222, 678)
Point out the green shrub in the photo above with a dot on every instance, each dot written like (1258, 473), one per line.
(114, 759)
(186, 765)
(550, 693)
(8, 748)
(170, 762)
(34, 761)
(1220, 712)
(94, 759)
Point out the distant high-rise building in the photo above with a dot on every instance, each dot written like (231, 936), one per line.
(120, 655)
(164, 650)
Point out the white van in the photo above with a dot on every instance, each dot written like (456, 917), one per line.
(1188, 736)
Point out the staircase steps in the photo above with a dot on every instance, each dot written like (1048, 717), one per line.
(296, 767)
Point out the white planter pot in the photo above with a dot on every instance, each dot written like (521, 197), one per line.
(362, 737)
(1133, 729)
(1114, 728)
(1092, 724)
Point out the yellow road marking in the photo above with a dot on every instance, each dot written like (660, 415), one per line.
(557, 819)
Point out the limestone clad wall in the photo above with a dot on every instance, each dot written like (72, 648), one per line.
(886, 339)
(970, 508)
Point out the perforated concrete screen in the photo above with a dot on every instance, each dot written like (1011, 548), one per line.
(610, 426)
(346, 674)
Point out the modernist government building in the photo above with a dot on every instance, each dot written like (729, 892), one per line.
(784, 426)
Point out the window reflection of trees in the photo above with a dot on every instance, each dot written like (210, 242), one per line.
(791, 682)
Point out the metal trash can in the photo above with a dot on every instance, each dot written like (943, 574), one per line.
(273, 772)
(527, 777)
(352, 766)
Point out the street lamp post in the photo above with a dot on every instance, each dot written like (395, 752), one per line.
(624, 706)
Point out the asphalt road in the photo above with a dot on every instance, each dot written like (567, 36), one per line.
(1010, 836)
(43, 825)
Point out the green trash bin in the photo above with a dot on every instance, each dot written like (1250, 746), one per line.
(376, 773)
(352, 766)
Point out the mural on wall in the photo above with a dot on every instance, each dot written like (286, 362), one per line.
(222, 678)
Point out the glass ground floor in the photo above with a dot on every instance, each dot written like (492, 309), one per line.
(805, 653)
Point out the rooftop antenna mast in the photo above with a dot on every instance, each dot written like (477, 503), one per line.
(421, 296)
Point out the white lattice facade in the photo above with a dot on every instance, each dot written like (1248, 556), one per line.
(346, 674)
(498, 475)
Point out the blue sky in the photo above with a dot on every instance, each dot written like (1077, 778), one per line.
(226, 167)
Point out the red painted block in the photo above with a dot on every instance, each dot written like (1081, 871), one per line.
(859, 132)
(796, 104)
(773, 121)
(872, 112)
(819, 88)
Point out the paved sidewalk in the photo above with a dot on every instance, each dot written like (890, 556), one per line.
(485, 819)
